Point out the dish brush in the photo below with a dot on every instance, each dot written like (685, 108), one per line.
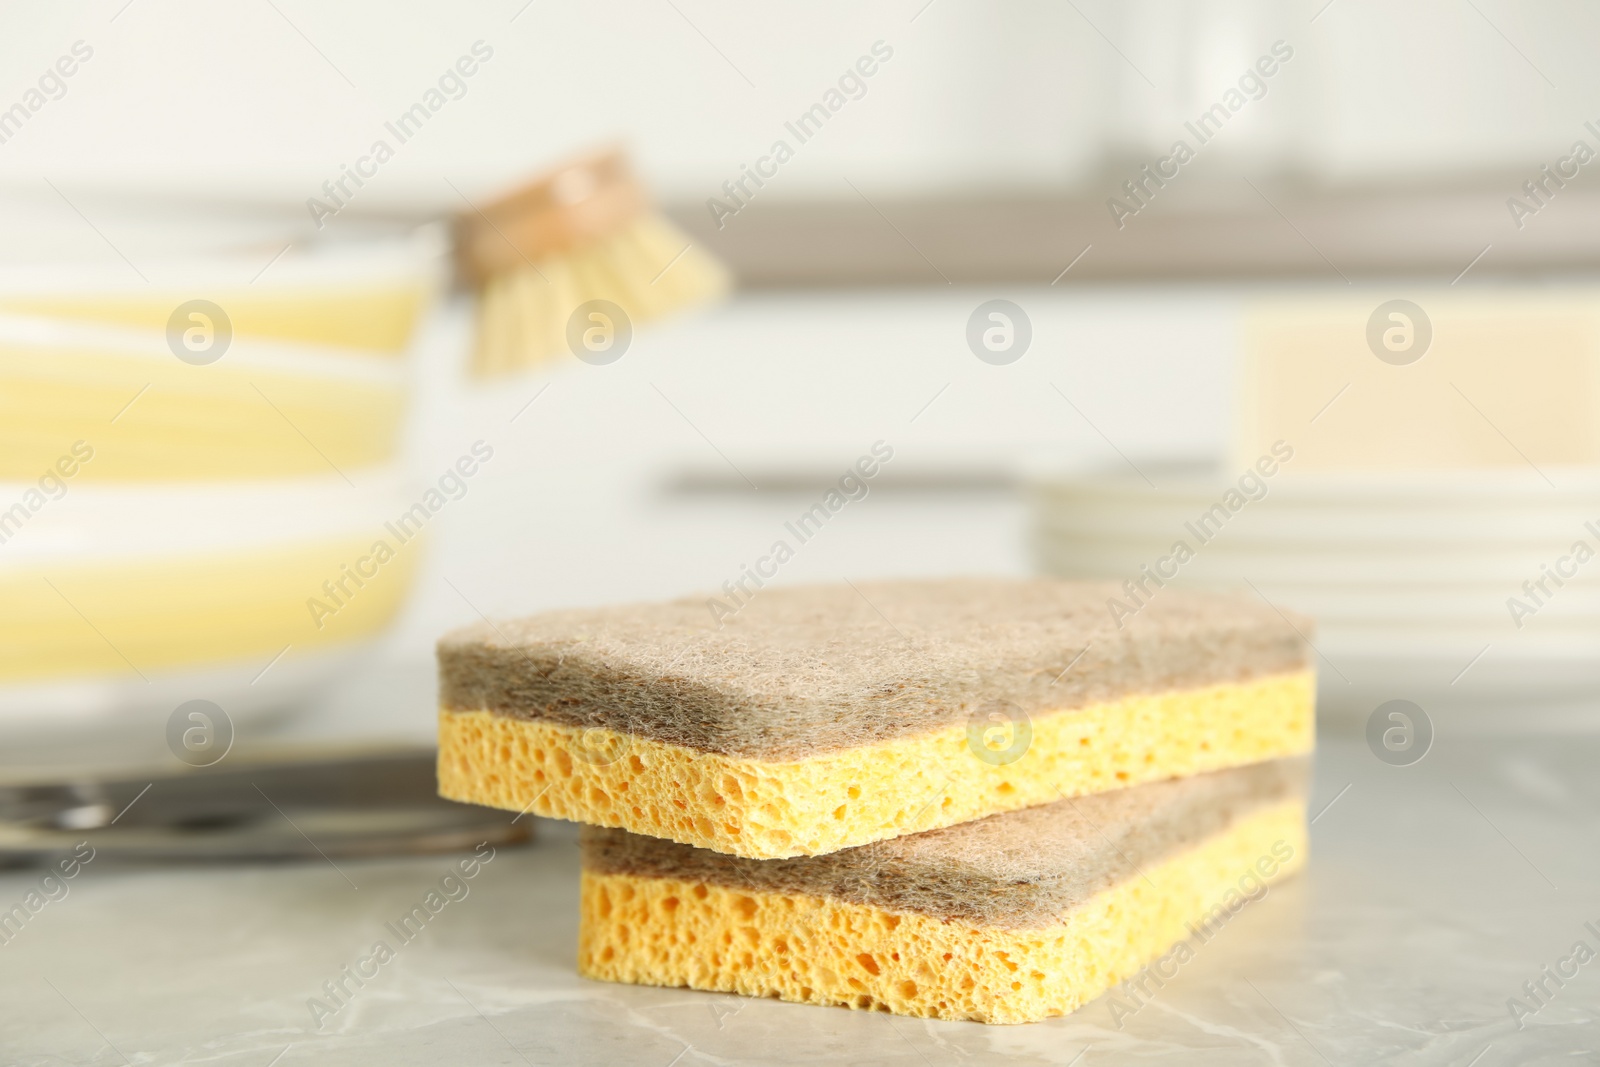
(582, 232)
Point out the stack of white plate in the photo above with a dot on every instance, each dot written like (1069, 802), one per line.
(1409, 576)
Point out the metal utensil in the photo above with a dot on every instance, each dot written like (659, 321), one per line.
(284, 804)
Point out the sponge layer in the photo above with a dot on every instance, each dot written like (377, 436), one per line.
(677, 931)
(770, 809)
(805, 670)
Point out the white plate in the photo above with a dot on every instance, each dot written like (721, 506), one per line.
(1267, 522)
(246, 691)
(127, 520)
(1406, 575)
(1214, 564)
(1193, 484)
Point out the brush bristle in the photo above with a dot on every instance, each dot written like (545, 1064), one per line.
(648, 268)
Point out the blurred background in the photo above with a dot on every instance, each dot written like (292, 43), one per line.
(1307, 288)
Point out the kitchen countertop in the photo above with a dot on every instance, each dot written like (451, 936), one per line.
(1434, 892)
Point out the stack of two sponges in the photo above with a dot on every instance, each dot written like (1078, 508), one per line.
(967, 799)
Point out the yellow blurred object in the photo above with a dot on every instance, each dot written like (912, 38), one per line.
(260, 411)
(377, 320)
(197, 470)
(1436, 381)
(580, 233)
(184, 609)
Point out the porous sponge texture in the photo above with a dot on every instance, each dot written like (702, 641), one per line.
(776, 809)
(815, 949)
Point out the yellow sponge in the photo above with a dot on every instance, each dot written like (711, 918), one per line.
(1011, 919)
(820, 718)
(833, 800)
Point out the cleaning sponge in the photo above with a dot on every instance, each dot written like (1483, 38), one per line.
(820, 718)
(1011, 918)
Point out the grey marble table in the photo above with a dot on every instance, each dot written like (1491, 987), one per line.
(1434, 893)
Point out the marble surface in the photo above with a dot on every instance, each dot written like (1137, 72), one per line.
(1435, 891)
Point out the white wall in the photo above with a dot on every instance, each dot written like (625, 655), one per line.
(233, 100)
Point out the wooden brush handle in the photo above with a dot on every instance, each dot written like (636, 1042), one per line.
(580, 201)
